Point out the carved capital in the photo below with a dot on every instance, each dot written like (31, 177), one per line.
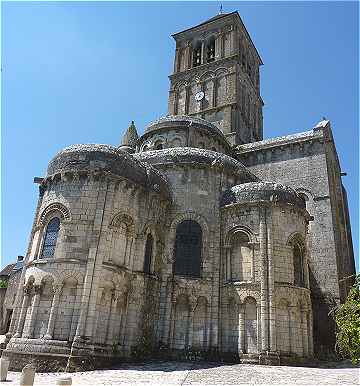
(37, 289)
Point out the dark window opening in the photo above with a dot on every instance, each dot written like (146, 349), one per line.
(188, 247)
(298, 266)
(197, 56)
(159, 146)
(210, 51)
(148, 253)
(51, 235)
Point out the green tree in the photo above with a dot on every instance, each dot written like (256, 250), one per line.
(3, 283)
(347, 317)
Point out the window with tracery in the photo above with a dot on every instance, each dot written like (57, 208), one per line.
(50, 238)
(148, 253)
(188, 247)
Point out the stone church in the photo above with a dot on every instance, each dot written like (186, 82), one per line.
(197, 239)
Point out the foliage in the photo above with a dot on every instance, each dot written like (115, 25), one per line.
(3, 283)
(347, 317)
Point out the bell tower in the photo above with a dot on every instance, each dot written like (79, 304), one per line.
(216, 77)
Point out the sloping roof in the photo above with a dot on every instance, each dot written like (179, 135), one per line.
(206, 21)
(7, 270)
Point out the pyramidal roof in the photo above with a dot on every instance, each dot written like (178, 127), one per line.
(131, 136)
(219, 16)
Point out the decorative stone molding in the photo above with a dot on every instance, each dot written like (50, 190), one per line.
(51, 209)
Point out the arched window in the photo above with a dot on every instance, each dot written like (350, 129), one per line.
(188, 246)
(197, 55)
(51, 235)
(241, 257)
(298, 256)
(148, 253)
(210, 50)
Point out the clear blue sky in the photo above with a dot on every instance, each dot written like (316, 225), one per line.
(80, 72)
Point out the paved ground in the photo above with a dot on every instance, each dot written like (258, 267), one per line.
(181, 373)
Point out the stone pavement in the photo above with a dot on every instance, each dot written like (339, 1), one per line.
(185, 373)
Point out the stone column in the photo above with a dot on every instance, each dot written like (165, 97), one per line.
(111, 324)
(263, 282)
(191, 327)
(219, 45)
(75, 316)
(187, 93)
(290, 330)
(310, 333)
(214, 82)
(177, 60)
(304, 333)
(53, 312)
(203, 52)
(167, 313)
(23, 310)
(258, 326)
(241, 341)
(271, 284)
(227, 262)
(34, 311)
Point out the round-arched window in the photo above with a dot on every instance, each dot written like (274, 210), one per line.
(148, 253)
(188, 247)
(50, 238)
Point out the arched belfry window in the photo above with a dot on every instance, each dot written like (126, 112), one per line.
(50, 238)
(148, 253)
(197, 55)
(210, 50)
(188, 247)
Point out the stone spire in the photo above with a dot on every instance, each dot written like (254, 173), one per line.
(131, 136)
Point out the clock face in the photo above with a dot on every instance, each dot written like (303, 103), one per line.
(199, 95)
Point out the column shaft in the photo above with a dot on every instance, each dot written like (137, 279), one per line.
(34, 311)
(264, 282)
(111, 327)
(53, 313)
(22, 316)
(241, 342)
(271, 284)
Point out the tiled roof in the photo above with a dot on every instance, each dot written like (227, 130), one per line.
(7, 270)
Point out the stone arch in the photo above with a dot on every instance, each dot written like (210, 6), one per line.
(240, 228)
(37, 275)
(207, 75)
(243, 295)
(221, 71)
(51, 210)
(119, 218)
(68, 274)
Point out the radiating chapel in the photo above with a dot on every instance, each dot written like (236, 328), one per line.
(197, 239)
